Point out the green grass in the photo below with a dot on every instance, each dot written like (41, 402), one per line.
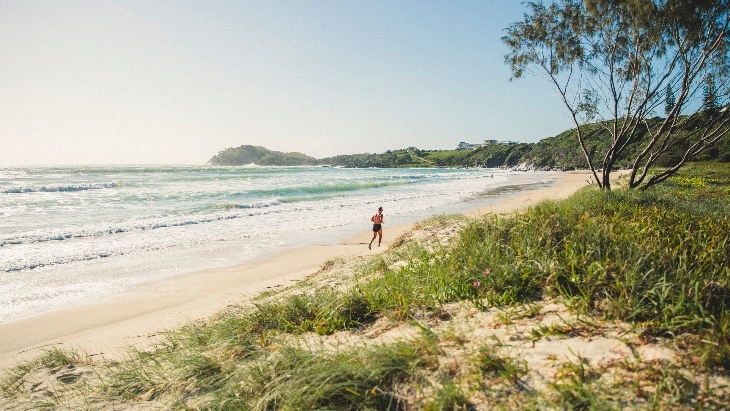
(577, 389)
(652, 258)
(492, 364)
(450, 396)
(15, 380)
(295, 378)
(655, 258)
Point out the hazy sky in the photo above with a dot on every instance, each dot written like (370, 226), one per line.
(174, 82)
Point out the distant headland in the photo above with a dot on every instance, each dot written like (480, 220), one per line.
(560, 152)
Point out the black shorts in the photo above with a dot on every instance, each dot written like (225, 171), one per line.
(376, 227)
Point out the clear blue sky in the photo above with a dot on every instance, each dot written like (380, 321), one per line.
(174, 82)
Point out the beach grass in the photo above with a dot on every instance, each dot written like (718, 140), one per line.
(657, 261)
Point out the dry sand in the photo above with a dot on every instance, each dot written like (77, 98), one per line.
(108, 327)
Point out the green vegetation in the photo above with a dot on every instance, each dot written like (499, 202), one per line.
(244, 155)
(559, 152)
(657, 261)
(659, 257)
(410, 157)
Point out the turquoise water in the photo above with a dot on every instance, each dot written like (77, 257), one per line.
(70, 234)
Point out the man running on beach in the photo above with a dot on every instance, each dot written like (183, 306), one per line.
(377, 220)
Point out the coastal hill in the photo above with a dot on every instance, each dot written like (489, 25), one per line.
(560, 152)
(246, 154)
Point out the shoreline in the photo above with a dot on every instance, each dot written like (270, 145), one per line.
(109, 326)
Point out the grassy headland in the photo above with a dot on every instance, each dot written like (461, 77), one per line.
(559, 152)
(605, 300)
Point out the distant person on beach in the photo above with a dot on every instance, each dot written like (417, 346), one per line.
(377, 220)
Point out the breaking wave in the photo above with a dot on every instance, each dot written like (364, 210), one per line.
(58, 188)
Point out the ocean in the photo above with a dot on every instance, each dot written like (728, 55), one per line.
(71, 235)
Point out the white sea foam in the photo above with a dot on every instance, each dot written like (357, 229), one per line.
(56, 188)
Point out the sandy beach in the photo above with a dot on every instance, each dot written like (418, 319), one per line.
(108, 327)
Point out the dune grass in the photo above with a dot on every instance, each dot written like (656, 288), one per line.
(659, 259)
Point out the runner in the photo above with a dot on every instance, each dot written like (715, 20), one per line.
(377, 220)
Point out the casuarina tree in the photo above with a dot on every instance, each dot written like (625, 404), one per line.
(615, 63)
(670, 100)
(709, 97)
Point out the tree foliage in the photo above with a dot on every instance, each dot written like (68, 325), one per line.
(619, 61)
(709, 97)
(669, 100)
